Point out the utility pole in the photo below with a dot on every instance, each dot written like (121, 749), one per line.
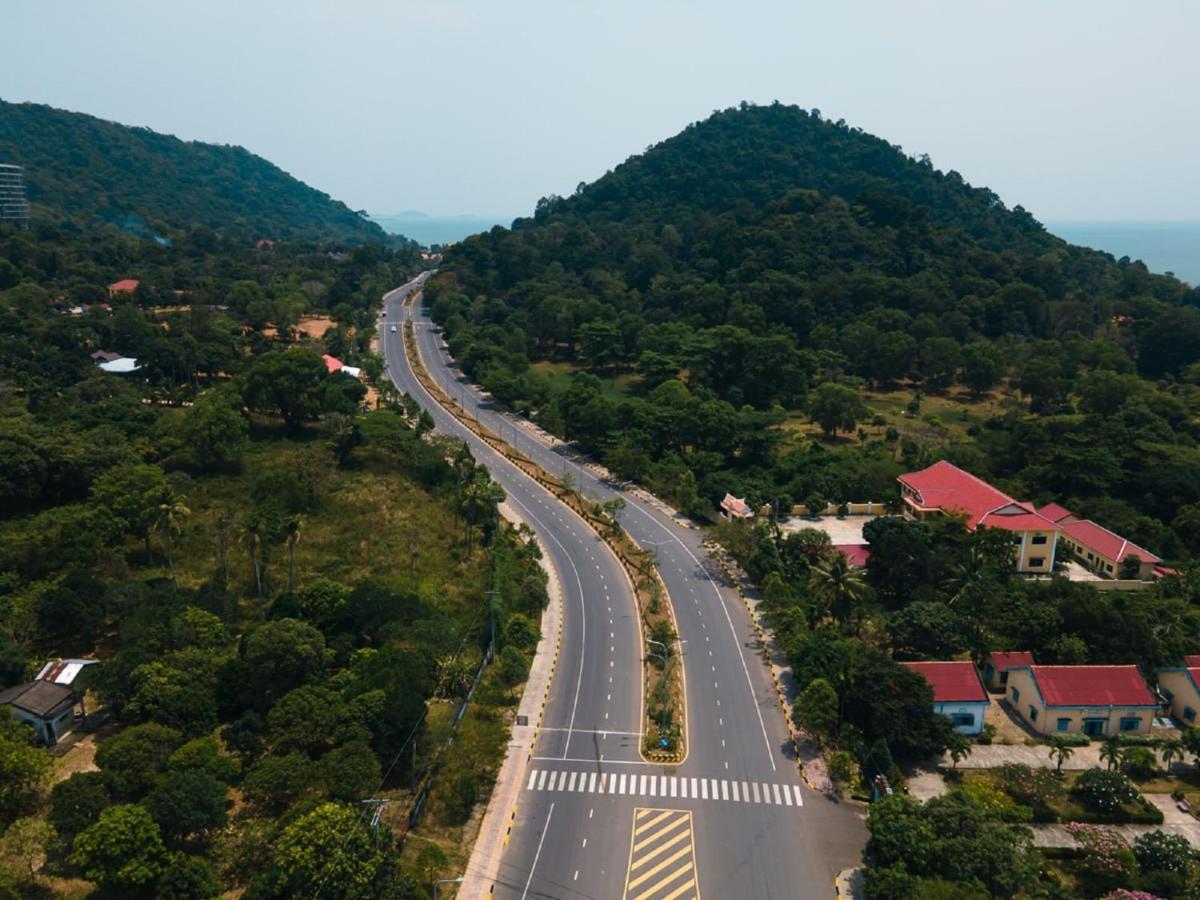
(378, 804)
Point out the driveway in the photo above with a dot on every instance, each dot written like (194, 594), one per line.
(994, 755)
(840, 531)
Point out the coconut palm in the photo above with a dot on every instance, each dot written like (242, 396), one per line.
(251, 535)
(1172, 750)
(958, 747)
(168, 523)
(838, 585)
(1060, 752)
(291, 538)
(1112, 751)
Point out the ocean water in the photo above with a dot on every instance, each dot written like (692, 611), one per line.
(1162, 246)
(429, 230)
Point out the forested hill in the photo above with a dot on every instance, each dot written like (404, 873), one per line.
(696, 313)
(89, 169)
(754, 155)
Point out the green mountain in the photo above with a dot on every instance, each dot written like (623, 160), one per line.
(695, 314)
(89, 170)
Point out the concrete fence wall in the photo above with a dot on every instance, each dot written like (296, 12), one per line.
(870, 508)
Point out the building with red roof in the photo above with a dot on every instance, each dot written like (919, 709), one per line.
(998, 663)
(945, 489)
(1180, 687)
(1094, 700)
(332, 363)
(1101, 550)
(856, 554)
(736, 508)
(957, 692)
(124, 286)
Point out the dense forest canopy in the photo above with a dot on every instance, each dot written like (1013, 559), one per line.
(88, 169)
(687, 314)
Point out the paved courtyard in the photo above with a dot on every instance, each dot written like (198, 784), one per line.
(840, 531)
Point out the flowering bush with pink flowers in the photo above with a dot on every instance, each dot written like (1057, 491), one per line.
(1106, 853)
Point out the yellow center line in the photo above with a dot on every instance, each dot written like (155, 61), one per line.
(674, 857)
(675, 893)
(658, 834)
(655, 820)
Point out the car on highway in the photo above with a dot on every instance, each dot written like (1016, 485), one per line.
(393, 329)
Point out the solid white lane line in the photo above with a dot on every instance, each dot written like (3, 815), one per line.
(533, 868)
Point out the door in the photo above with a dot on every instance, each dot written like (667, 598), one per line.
(1094, 727)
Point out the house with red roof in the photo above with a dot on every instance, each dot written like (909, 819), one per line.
(736, 508)
(1104, 552)
(124, 286)
(1094, 700)
(1180, 687)
(945, 489)
(998, 663)
(856, 554)
(957, 692)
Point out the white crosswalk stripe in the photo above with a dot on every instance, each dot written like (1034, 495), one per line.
(669, 786)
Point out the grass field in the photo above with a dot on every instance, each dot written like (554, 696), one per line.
(558, 374)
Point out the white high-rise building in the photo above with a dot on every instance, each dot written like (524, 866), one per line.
(14, 206)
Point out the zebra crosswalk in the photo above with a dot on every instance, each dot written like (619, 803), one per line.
(723, 790)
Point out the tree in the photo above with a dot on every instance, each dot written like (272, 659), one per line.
(1105, 791)
(133, 495)
(187, 877)
(327, 853)
(76, 802)
(431, 862)
(959, 748)
(290, 383)
(816, 710)
(1111, 751)
(1060, 752)
(983, 366)
(839, 586)
(133, 760)
(122, 851)
(927, 629)
(23, 767)
(214, 430)
(187, 803)
(350, 772)
(275, 782)
(835, 406)
(172, 513)
(282, 655)
(23, 847)
(513, 666)
(203, 754)
(1172, 750)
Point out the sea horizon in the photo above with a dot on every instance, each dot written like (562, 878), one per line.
(1165, 246)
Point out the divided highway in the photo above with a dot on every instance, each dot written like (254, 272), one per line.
(734, 819)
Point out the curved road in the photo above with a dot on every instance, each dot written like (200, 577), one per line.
(593, 819)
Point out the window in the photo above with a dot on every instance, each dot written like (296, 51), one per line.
(1017, 540)
(1032, 713)
(1091, 558)
(1016, 695)
(1108, 567)
(1131, 724)
(1039, 539)
(1167, 695)
(1189, 714)
(1064, 724)
(961, 720)
(1036, 562)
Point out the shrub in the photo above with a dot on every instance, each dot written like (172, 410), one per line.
(992, 799)
(1105, 791)
(1108, 860)
(1072, 739)
(1158, 851)
(1139, 762)
(1037, 788)
(77, 802)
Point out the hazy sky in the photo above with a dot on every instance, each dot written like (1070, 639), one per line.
(1077, 109)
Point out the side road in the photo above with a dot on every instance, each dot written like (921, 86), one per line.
(483, 868)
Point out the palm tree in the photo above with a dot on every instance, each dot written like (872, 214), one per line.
(1111, 751)
(1172, 750)
(252, 537)
(1060, 752)
(292, 537)
(838, 585)
(959, 748)
(169, 522)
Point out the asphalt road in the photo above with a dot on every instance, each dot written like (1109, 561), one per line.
(591, 809)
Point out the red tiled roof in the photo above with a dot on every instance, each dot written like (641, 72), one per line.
(736, 507)
(947, 487)
(952, 682)
(332, 363)
(125, 284)
(1098, 538)
(1055, 512)
(1192, 660)
(1092, 686)
(856, 554)
(1003, 660)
